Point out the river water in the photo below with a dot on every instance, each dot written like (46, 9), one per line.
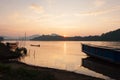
(67, 55)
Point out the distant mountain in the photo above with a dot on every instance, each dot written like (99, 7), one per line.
(52, 37)
(9, 38)
(109, 36)
(33, 36)
(1, 38)
(53, 34)
(20, 38)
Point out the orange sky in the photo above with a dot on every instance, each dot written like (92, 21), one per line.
(64, 17)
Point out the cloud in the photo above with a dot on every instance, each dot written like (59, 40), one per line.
(99, 12)
(56, 16)
(50, 3)
(37, 8)
(17, 18)
(99, 3)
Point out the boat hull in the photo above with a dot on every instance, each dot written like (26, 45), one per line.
(35, 45)
(104, 53)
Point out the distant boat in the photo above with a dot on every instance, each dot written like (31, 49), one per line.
(102, 52)
(35, 45)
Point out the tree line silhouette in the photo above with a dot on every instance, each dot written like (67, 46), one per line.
(109, 36)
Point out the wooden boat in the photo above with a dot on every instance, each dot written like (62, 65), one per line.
(35, 45)
(12, 45)
(102, 52)
(11, 51)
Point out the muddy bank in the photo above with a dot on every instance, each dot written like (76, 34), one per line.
(43, 73)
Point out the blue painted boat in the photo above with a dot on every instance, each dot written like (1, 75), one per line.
(102, 52)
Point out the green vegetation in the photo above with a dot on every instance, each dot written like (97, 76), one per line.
(8, 73)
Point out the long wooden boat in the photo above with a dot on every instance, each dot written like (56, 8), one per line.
(35, 45)
(102, 52)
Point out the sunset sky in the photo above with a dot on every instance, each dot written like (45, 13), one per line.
(64, 17)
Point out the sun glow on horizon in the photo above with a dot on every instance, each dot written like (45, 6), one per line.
(65, 36)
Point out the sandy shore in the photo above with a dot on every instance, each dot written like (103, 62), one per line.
(58, 74)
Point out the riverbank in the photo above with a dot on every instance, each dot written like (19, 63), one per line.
(15, 70)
